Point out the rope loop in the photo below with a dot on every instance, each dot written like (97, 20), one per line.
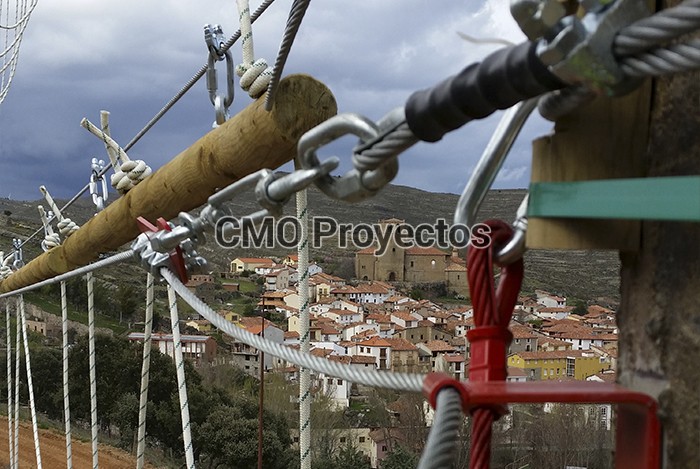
(493, 309)
(255, 77)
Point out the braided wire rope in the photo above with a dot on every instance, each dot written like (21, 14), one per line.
(8, 352)
(296, 15)
(440, 447)
(181, 383)
(410, 382)
(391, 143)
(66, 397)
(93, 368)
(492, 309)
(188, 85)
(659, 28)
(304, 335)
(145, 370)
(30, 384)
(674, 58)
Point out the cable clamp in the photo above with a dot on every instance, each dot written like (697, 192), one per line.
(580, 50)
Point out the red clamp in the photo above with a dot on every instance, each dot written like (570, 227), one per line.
(177, 261)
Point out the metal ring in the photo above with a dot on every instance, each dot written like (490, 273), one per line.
(348, 187)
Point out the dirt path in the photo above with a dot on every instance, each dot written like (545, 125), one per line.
(53, 451)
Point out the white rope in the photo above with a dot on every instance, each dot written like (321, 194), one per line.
(255, 74)
(145, 369)
(14, 30)
(127, 172)
(18, 334)
(305, 344)
(93, 370)
(410, 382)
(5, 269)
(9, 383)
(51, 239)
(181, 384)
(30, 385)
(65, 225)
(66, 399)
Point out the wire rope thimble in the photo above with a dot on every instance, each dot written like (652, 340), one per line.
(214, 38)
(356, 184)
(98, 184)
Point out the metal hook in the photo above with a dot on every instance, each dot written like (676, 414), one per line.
(486, 170)
(96, 179)
(214, 38)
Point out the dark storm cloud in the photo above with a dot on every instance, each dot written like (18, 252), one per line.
(130, 57)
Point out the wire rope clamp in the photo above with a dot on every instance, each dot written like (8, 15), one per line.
(153, 260)
(356, 184)
(581, 50)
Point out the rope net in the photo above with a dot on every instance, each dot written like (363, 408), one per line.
(13, 22)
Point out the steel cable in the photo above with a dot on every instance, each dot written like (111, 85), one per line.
(664, 60)
(296, 15)
(112, 260)
(657, 29)
(439, 451)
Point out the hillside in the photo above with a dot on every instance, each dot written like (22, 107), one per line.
(581, 274)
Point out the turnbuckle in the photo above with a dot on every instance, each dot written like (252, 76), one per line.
(214, 38)
(356, 184)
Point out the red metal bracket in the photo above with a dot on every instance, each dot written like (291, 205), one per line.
(638, 431)
(177, 261)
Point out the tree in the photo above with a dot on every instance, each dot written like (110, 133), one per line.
(350, 457)
(399, 458)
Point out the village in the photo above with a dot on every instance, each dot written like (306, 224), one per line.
(372, 322)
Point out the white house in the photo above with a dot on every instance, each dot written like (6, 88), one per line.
(342, 316)
(378, 348)
(549, 300)
(357, 328)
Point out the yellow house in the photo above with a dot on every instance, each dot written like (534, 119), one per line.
(201, 325)
(240, 264)
(558, 364)
(230, 316)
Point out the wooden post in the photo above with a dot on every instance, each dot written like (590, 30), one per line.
(249, 141)
(659, 318)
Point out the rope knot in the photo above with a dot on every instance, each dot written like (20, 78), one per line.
(67, 227)
(129, 174)
(255, 77)
(51, 241)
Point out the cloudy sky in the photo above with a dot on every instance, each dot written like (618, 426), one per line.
(131, 56)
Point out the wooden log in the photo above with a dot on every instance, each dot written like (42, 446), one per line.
(249, 141)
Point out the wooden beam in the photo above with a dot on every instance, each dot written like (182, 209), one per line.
(249, 141)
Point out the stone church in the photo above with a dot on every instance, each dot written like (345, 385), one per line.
(414, 265)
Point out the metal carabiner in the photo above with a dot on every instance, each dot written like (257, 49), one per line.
(213, 36)
(96, 179)
(18, 262)
(355, 185)
(486, 170)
